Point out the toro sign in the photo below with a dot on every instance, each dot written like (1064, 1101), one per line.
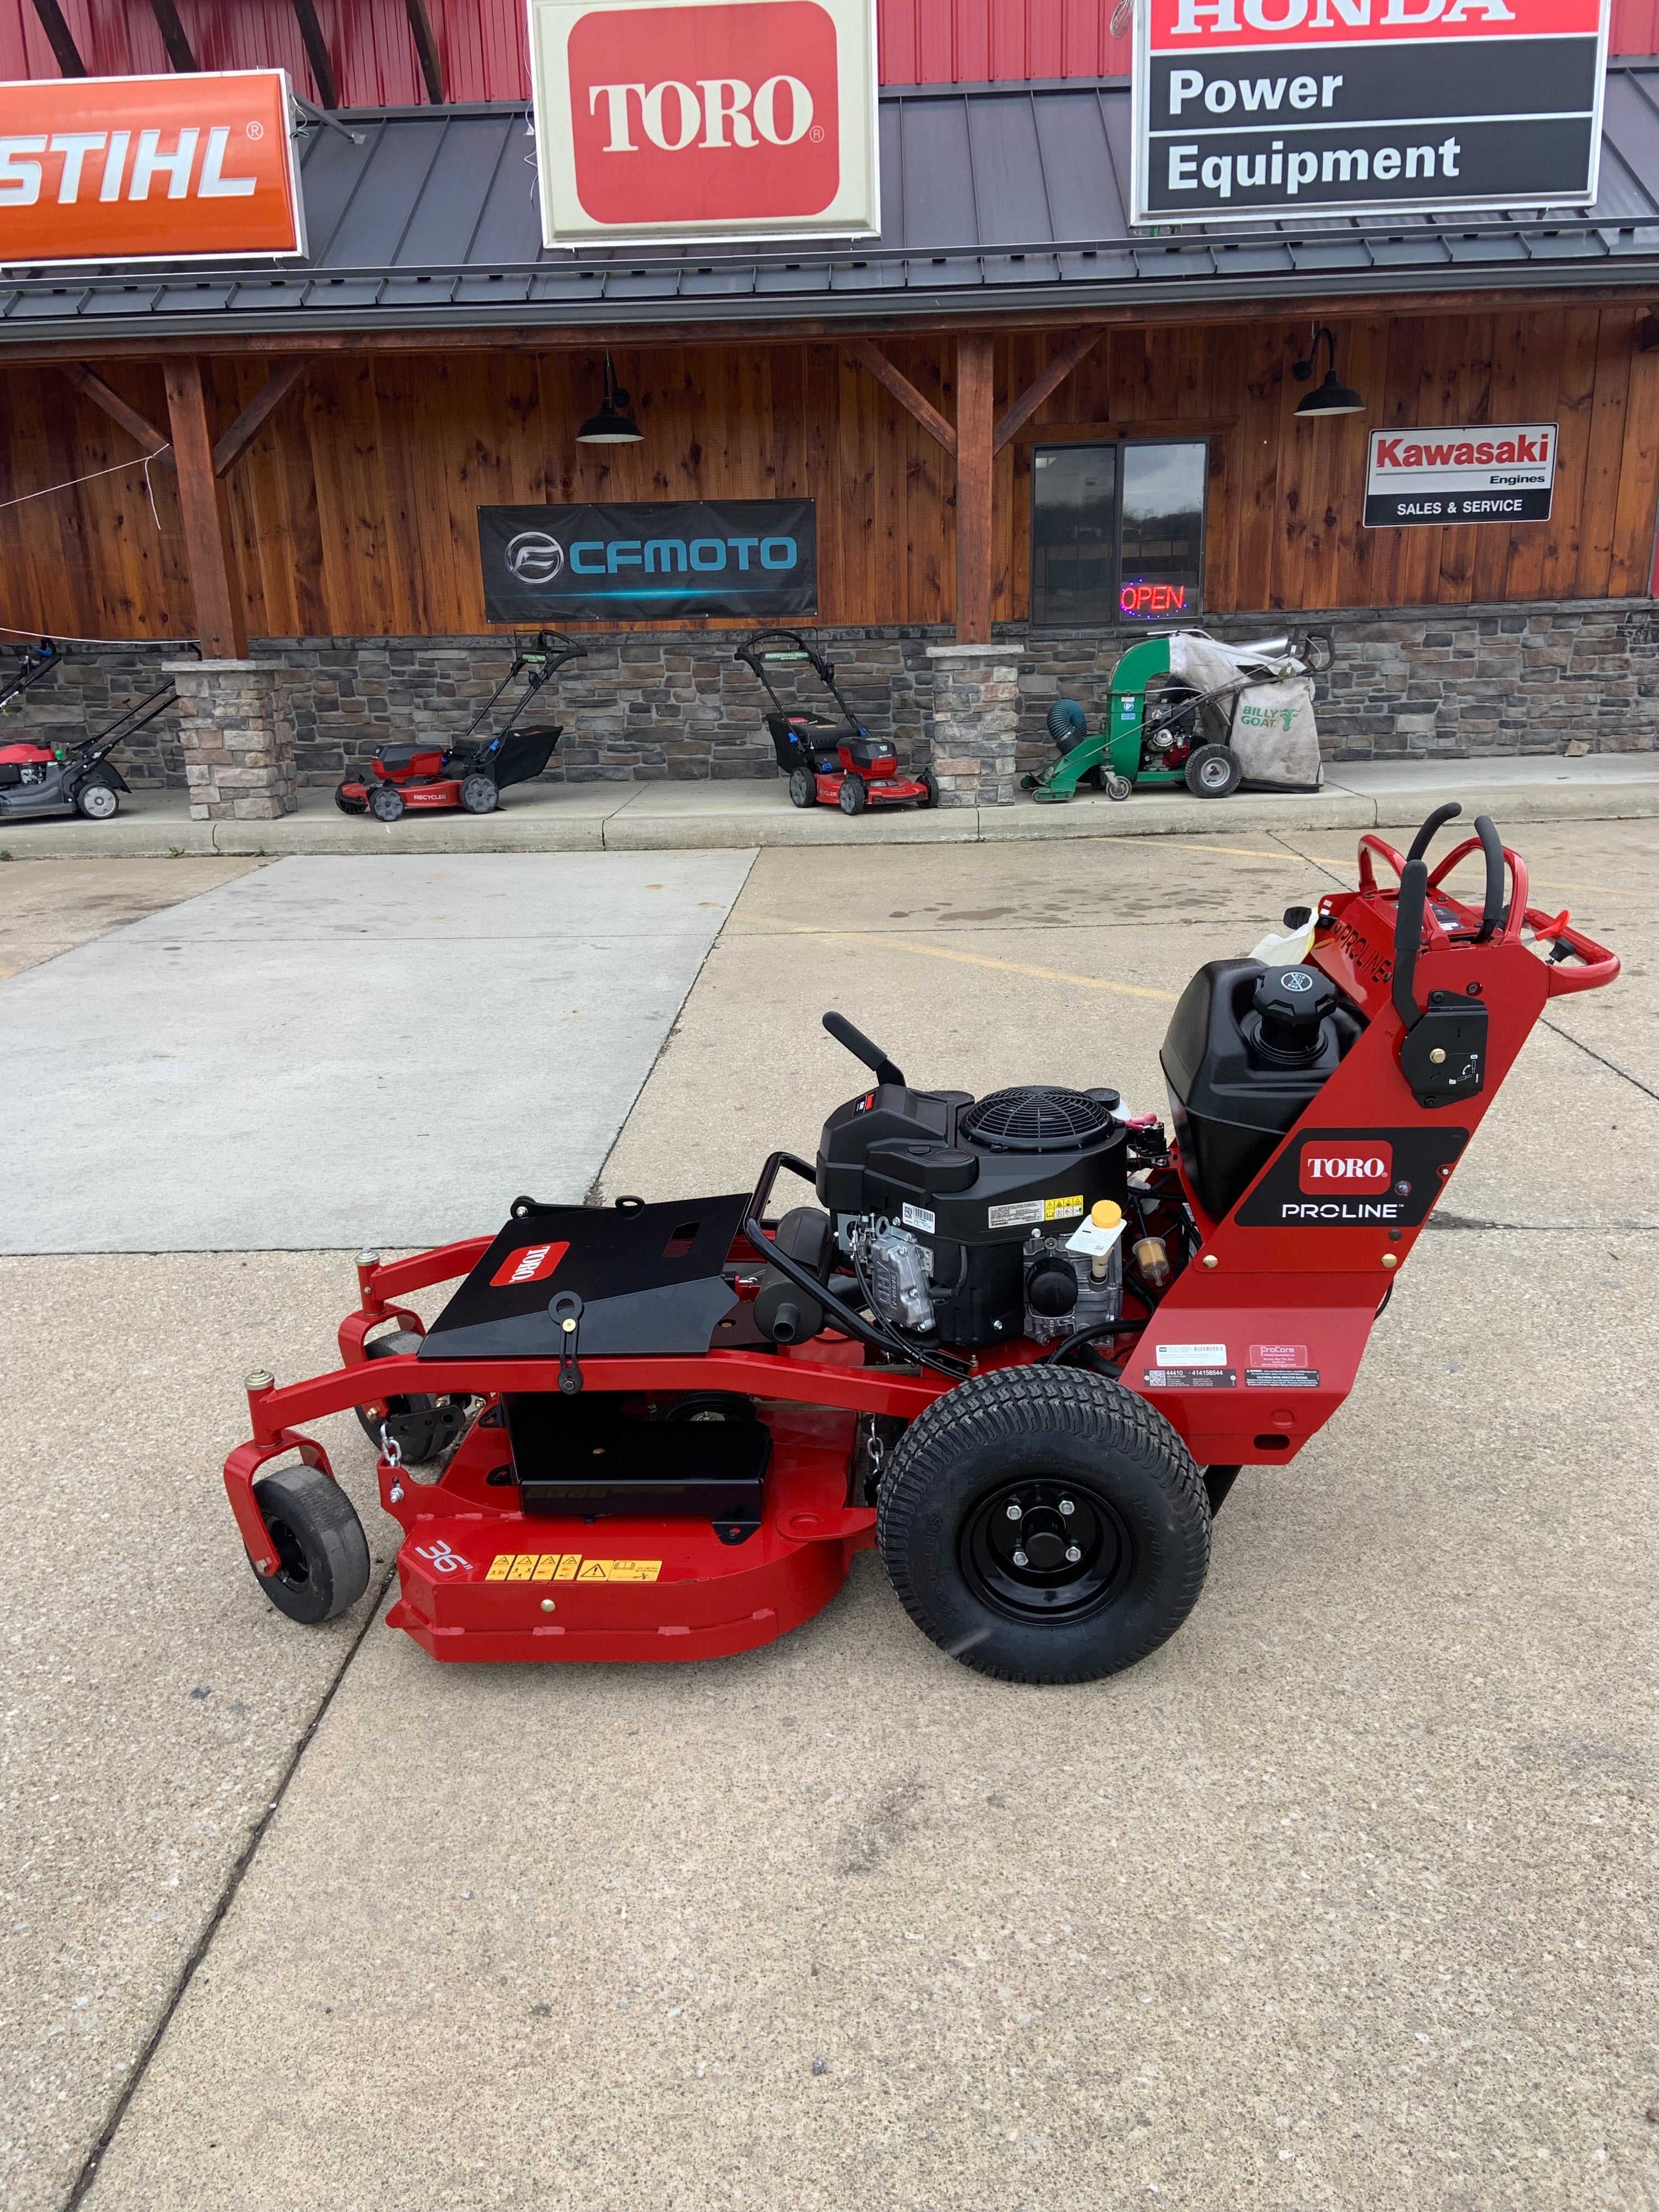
(726, 119)
(148, 168)
(1248, 109)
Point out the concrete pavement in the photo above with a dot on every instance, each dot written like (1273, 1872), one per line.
(556, 817)
(1346, 1897)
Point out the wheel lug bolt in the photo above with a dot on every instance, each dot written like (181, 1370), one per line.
(1014, 1512)
(1020, 1560)
(1073, 1553)
(1066, 1506)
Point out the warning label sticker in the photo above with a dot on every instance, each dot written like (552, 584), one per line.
(1281, 1378)
(1034, 1210)
(568, 1567)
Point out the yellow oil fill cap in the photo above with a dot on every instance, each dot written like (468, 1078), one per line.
(1105, 1214)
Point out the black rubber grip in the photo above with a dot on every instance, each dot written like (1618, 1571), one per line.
(862, 1047)
(1492, 916)
(1408, 932)
(1426, 835)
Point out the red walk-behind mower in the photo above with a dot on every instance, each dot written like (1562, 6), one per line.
(472, 772)
(674, 1425)
(830, 760)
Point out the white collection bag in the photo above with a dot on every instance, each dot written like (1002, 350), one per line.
(1275, 737)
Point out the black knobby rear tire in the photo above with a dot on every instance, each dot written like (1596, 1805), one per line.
(322, 1554)
(1213, 772)
(422, 1425)
(480, 794)
(802, 787)
(852, 797)
(1046, 1438)
(386, 803)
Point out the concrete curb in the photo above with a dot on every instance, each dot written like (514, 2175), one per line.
(644, 818)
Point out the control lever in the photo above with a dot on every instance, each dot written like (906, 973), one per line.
(861, 1048)
(1443, 1047)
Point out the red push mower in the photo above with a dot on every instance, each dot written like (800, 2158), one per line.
(472, 772)
(41, 782)
(1021, 1344)
(830, 760)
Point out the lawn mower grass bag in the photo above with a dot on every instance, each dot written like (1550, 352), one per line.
(1273, 734)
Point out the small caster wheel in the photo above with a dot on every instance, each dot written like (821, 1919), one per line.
(1213, 772)
(97, 802)
(1116, 787)
(322, 1554)
(386, 803)
(479, 794)
(421, 1427)
(854, 797)
(802, 787)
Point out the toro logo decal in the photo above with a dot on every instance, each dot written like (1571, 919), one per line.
(530, 1263)
(707, 113)
(1355, 1165)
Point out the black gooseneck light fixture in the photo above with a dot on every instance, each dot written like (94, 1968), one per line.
(1333, 398)
(613, 425)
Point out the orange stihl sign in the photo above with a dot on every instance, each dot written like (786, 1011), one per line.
(148, 168)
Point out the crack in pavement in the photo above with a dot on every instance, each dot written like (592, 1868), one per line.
(1545, 1228)
(139, 2066)
(1612, 1065)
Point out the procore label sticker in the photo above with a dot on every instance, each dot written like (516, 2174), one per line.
(918, 1217)
(1192, 1355)
(1278, 1355)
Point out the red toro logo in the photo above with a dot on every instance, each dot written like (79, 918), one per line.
(1355, 1163)
(530, 1263)
(705, 113)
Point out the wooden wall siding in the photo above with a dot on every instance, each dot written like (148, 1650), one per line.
(353, 511)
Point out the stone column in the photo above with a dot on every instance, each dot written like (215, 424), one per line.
(238, 740)
(975, 715)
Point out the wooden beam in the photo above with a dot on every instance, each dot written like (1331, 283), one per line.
(870, 356)
(60, 38)
(230, 448)
(975, 409)
(1050, 381)
(221, 621)
(173, 37)
(426, 49)
(316, 46)
(92, 386)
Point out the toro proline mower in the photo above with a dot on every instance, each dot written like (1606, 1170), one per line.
(472, 772)
(1022, 1344)
(830, 760)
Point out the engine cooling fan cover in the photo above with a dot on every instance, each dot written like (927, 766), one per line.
(1034, 1117)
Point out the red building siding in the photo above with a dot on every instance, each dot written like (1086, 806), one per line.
(483, 45)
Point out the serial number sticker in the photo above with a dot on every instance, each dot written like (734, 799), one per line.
(1192, 1355)
(1281, 1378)
(1014, 1217)
(919, 1217)
(568, 1567)
(1189, 1378)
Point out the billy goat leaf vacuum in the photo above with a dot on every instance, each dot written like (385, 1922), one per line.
(1021, 1344)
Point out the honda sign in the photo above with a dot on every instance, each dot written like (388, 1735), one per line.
(729, 119)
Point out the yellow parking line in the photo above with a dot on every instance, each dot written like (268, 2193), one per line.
(966, 959)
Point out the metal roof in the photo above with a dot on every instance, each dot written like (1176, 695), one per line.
(995, 200)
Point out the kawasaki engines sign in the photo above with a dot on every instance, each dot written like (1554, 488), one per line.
(1277, 108)
(1477, 474)
(664, 561)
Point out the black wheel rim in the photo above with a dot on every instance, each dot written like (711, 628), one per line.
(1018, 1542)
(292, 1565)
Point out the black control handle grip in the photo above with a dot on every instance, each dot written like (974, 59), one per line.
(1493, 917)
(1435, 822)
(861, 1047)
(1408, 930)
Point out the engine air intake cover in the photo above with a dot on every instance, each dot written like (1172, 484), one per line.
(1034, 1118)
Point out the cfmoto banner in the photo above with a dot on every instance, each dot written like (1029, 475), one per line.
(748, 557)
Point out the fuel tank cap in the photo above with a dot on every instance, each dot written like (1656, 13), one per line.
(1292, 1002)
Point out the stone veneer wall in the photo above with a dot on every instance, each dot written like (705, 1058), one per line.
(1453, 683)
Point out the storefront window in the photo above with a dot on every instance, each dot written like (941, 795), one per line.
(1117, 531)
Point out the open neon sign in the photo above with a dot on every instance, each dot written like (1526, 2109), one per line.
(1140, 601)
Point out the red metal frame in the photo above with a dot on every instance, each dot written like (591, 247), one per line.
(1313, 1287)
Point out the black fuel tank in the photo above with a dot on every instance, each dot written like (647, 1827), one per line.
(1247, 1050)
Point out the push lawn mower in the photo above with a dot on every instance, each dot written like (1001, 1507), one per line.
(830, 760)
(40, 780)
(473, 772)
(1161, 732)
(1022, 1344)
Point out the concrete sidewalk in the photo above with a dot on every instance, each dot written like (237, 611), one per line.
(646, 817)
